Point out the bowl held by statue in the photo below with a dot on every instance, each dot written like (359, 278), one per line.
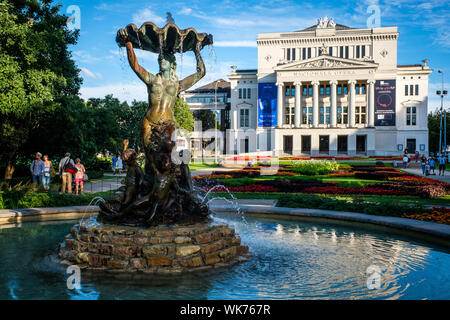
(169, 39)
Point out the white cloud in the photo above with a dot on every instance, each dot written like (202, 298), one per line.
(123, 91)
(185, 11)
(147, 15)
(85, 57)
(242, 43)
(88, 73)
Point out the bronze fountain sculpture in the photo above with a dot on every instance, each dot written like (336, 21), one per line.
(164, 193)
(157, 222)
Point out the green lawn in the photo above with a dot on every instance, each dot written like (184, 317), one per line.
(202, 165)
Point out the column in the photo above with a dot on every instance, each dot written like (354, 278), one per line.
(315, 103)
(351, 104)
(280, 105)
(297, 109)
(371, 103)
(234, 121)
(333, 109)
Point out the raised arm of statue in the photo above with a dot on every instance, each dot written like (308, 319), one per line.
(143, 74)
(189, 81)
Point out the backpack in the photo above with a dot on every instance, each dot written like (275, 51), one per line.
(69, 167)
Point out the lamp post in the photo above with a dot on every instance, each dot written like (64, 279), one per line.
(215, 122)
(442, 93)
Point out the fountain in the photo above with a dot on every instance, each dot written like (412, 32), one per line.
(157, 222)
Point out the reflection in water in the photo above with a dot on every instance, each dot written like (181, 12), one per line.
(290, 260)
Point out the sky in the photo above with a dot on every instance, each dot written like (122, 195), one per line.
(423, 27)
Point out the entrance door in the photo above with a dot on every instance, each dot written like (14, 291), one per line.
(287, 144)
(342, 144)
(361, 143)
(244, 145)
(306, 144)
(324, 144)
(411, 145)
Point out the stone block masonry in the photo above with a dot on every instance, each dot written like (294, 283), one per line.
(158, 250)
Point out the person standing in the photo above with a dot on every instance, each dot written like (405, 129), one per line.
(432, 165)
(79, 176)
(114, 164)
(417, 156)
(119, 163)
(442, 161)
(36, 169)
(405, 161)
(66, 177)
(47, 173)
(423, 162)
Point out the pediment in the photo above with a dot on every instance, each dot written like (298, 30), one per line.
(244, 105)
(326, 62)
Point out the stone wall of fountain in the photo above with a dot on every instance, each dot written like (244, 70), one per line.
(162, 249)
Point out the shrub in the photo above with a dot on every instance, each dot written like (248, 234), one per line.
(94, 174)
(315, 167)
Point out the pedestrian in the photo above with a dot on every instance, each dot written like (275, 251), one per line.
(432, 165)
(114, 164)
(442, 161)
(36, 169)
(427, 168)
(79, 176)
(417, 156)
(423, 162)
(65, 172)
(47, 173)
(119, 163)
(405, 161)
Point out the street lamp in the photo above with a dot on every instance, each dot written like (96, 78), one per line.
(442, 93)
(215, 121)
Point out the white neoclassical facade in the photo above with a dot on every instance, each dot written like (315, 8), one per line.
(329, 90)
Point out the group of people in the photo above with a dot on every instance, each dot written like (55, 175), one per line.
(428, 164)
(117, 164)
(42, 171)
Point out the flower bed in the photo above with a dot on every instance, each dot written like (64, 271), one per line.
(342, 190)
(437, 214)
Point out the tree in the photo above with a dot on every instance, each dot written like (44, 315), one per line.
(434, 121)
(38, 73)
(183, 115)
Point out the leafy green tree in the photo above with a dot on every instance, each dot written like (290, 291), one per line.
(434, 120)
(183, 115)
(38, 73)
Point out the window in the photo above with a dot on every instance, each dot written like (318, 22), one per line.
(249, 93)
(342, 144)
(342, 115)
(244, 93)
(345, 89)
(288, 54)
(363, 51)
(341, 52)
(411, 116)
(346, 52)
(293, 53)
(406, 89)
(339, 89)
(363, 89)
(303, 53)
(357, 91)
(327, 89)
(360, 115)
(324, 115)
(358, 52)
(307, 115)
(309, 53)
(287, 91)
(417, 89)
(289, 115)
(245, 118)
(411, 90)
(240, 93)
(330, 51)
(322, 90)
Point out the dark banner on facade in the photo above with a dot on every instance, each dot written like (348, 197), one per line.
(385, 103)
(267, 105)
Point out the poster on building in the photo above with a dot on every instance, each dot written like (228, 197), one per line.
(267, 105)
(385, 103)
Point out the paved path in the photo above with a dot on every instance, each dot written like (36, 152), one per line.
(445, 178)
(107, 184)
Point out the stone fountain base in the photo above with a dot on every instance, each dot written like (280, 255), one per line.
(161, 249)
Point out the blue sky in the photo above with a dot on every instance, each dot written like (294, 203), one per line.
(423, 27)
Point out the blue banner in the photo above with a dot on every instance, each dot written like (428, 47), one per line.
(385, 103)
(267, 105)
